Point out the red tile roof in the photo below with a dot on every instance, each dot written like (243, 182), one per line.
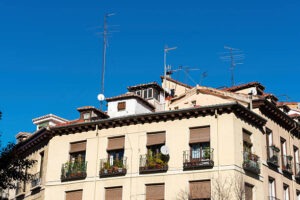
(177, 82)
(244, 86)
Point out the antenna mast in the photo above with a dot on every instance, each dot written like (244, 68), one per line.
(101, 95)
(232, 57)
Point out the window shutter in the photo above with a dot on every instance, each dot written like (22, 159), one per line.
(156, 138)
(122, 105)
(200, 189)
(248, 192)
(113, 193)
(74, 195)
(199, 134)
(246, 136)
(78, 146)
(116, 143)
(155, 192)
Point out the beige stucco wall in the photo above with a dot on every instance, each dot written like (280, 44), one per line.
(226, 139)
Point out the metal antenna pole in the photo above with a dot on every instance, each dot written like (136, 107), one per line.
(104, 54)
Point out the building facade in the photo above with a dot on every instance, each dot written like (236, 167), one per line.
(233, 143)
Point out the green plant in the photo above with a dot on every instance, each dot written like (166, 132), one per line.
(206, 153)
(106, 165)
(119, 163)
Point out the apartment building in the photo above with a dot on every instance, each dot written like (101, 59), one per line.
(186, 143)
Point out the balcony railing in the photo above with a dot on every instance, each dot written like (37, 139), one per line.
(297, 171)
(36, 180)
(251, 162)
(153, 163)
(287, 164)
(198, 159)
(71, 171)
(273, 155)
(112, 167)
(272, 198)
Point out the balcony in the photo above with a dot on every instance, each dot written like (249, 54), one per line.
(36, 181)
(273, 154)
(72, 171)
(251, 162)
(112, 167)
(199, 159)
(287, 164)
(153, 163)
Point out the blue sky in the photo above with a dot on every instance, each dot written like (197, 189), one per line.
(51, 51)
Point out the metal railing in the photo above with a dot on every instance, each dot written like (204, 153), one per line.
(287, 164)
(36, 180)
(196, 159)
(273, 155)
(73, 171)
(113, 167)
(251, 162)
(153, 163)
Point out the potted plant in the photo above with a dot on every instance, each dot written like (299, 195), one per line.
(206, 153)
(106, 166)
(120, 165)
(273, 147)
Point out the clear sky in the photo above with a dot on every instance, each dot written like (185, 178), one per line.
(51, 51)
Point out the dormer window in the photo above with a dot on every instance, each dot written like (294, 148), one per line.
(138, 92)
(87, 116)
(121, 106)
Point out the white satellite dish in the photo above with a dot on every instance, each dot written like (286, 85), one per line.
(164, 150)
(100, 97)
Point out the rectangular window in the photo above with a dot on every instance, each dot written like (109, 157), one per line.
(298, 195)
(200, 189)
(200, 143)
(115, 149)
(77, 151)
(296, 163)
(155, 192)
(41, 164)
(199, 134)
(150, 93)
(286, 192)
(272, 192)
(248, 191)
(74, 195)
(114, 193)
(138, 92)
(121, 106)
(247, 143)
(155, 141)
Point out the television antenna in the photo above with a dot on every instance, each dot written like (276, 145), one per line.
(185, 70)
(233, 56)
(166, 50)
(203, 76)
(101, 96)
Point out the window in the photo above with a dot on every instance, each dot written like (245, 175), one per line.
(77, 152)
(121, 106)
(296, 163)
(193, 103)
(200, 142)
(286, 193)
(155, 141)
(87, 116)
(115, 149)
(247, 144)
(155, 192)
(200, 190)
(113, 193)
(74, 195)
(41, 164)
(248, 191)
(138, 92)
(272, 192)
(298, 195)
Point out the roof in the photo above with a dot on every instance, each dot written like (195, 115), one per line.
(100, 113)
(130, 95)
(245, 86)
(177, 82)
(143, 86)
(48, 116)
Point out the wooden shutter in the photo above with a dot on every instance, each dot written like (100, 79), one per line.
(113, 193)
(246, 136)
(155, 192)
(122, 105)
(199, 134)
(200, 189)
(78, 146)
(248, 192)
(116, 143)
(156, 138)
(74, 195)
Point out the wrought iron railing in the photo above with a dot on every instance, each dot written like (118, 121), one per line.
(112, 167)
(153, 163)
(36, 180)
(202, 158)
(273, 155)
(73, 171)
(251, 162)
(287, 164)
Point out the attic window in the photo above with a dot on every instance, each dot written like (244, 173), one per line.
(87, 116)
(121, 105)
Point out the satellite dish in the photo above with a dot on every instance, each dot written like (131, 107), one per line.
(100, 97)
(164, 150)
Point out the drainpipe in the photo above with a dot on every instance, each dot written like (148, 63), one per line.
(250, 104)
(218, 152)
(98, 140)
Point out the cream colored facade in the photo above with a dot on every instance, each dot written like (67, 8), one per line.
(225, 113)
